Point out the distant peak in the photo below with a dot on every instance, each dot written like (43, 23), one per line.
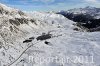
(4, 7)
(89, 7)
(2, 4)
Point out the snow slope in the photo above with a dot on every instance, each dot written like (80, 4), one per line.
(65, 42)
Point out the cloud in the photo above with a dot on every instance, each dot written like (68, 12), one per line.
(93, 1)
(44, 1)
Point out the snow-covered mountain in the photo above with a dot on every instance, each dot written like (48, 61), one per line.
(47, 39)
(88, 17)
(92, 11)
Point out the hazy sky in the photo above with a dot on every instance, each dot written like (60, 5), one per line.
(49, 5)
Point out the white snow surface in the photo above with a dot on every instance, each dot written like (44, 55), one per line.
(65, 41)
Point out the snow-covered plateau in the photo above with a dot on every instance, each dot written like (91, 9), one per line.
(45, 39)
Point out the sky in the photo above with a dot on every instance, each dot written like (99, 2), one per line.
(49, 5)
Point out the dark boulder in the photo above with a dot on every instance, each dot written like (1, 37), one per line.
(31, 38)
(27, 41)
(44, 37)
(46, 42)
